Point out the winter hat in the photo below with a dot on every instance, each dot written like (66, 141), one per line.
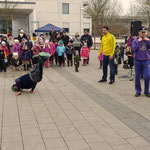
(13, 88)
(9, 34)
(61, 42)
(33, 34)
(16, 40)
(3, 43)
(21, 31)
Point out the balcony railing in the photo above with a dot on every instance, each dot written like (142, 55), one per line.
(18, 1)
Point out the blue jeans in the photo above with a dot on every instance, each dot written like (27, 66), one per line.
(142, 66)
(107, 62)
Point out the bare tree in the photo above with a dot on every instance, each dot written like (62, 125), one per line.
(95, 10)
(8, 11)
(144, 9)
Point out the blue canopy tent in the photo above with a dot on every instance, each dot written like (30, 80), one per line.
(48, 28)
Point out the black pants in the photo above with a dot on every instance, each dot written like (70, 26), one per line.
(61, 60)
(2, 65)
(78, 49)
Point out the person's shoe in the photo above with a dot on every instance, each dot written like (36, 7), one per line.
(102, 81)
(137, 95)
(111, 82)
(148, 95)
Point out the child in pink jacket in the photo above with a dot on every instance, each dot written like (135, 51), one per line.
(52, 51)
(46, 49)
(85, 54)
(36, 51)
(100, 58)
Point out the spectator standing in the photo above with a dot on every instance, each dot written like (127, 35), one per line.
(86, 38)
(140, 47)
(108, 46)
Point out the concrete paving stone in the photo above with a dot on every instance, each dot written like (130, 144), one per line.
(32, 140)
(77, 145)
(35, 147)
(12, 146)
(100, 146)
(54, 143)
(29, 124)
(146, 124)
(132, 124)
(143, 148)
(138, 142)
(27, 132)
(61, 119)
(93, 138)
(86, 130)
(44, 120)
(47, 126)
(112, 137)
(47, 134)
(123, 147)
(144, 133)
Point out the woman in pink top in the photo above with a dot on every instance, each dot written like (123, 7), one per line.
(85, 54)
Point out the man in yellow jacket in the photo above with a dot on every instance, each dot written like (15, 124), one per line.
(108, 46)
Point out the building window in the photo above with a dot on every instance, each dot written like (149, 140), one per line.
(86, 26)
(66, 26)
(65, 8)
(86, 29)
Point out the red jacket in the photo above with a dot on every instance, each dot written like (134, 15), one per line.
(5, 49)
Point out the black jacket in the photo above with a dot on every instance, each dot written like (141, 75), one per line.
(20, 38)
(87, 39)
(53, 36)
(65, 39)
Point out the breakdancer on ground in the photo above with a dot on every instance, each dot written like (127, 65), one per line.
(30, 80)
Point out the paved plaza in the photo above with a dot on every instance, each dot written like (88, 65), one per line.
(71, 111)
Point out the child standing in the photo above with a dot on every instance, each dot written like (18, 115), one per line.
(77, 61)
(52, 51)
(26, 57)
(16, 61)
(46, 49)
(2, 60)
(61, 52)
(36, 51)
(70, 52)
(17, 48)
(85, 54)
(100, 58)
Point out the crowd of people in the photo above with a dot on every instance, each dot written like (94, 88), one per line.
(21, 52)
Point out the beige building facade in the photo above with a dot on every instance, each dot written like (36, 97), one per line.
(67, 14)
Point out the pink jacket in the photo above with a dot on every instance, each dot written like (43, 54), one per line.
(85, 52)
(17, 48)
(52, 49)
(100, 58)
(36, 50)
(5, 49)
(46, 50)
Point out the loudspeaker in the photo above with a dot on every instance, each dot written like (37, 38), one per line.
(135, 25)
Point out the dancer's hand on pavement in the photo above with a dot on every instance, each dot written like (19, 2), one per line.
(18, 93)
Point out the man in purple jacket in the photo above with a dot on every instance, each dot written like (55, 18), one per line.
(140, 47)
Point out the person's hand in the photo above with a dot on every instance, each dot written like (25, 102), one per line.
(140, 39)
(111, 57)
(146, 39)
(18, 93)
